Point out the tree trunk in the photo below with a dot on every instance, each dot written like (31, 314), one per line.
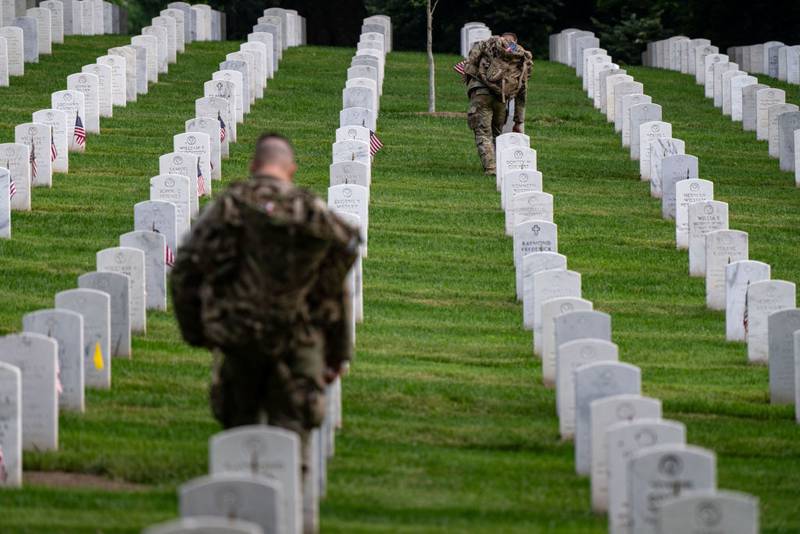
(431, 65)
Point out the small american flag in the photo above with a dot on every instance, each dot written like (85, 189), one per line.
(12, 189)
(34, 167)
(80, 133)
(53, 149)
(201, 181)
(745, 317)
(460, 68)
(3, 471)
(375, 144)
(169, 257)
(221, 127)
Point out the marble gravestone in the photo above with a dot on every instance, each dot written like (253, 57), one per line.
(351, 198)
(57, 121)
(532, 236)
(766, 98)
(153, 245)
(688, 192)
(629, 101)
(551, 309)
(66, 328)
(621, 91)
(749, 106)
(130, 262)
(781, 328)
(182, 165)
(596, 381)
(659, 150)
(73, 103)
(570, 357)
(128, 53)
(727, 101)
(623, 441)
(142, 65)
(351, 150)
(531, 265)
(267, 451)
(15, 157)
(117, 287)
(237, 81)
(523, 207)
(95, 308)
(159, 33)
(650, 133)
(30, 37)
(722, 248)
(704, 217)
(604, 414)
(738, 83)
(357, 116)
(119, 85)
(89, 85)
(739, 276)
(572, 326)
(15, 49)
(10, 425)
(234, 496)
(197, 144)
(36, 357)
(150, 43)
(674, 169)
(44, 28)
(641, 114)
(350, 172)
(175, 188)
(662, 471)
(57, 12)
(763, 299)
(774, 114)
(105, 91)
(38, 138)
(701, 511)
(161, 217)
(788, 123)
(242, 68)
(210, 126)
(220, 109)
(545, 285)
(517, 183)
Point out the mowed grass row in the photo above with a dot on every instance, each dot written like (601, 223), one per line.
(447, 426)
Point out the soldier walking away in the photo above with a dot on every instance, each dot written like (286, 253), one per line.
(496, 72)
(260, 282)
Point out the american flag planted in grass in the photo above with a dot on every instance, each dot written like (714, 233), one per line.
(375, 144)
(80, 132)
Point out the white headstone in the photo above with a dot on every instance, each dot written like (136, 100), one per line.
(95, 308)
(704, 217)
(57, 121)
(739, 276)
(130, 262)
(153, 245)
(89, 85)
(688, 192)
(722, 248)
(38, 138)
(117, 287)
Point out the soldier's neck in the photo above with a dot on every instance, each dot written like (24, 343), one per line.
(274, 171)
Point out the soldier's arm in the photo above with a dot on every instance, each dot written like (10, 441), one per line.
(330, 301)
(522, 96)
(474, 60)
(187, 275)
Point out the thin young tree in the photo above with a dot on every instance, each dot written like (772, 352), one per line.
(430, 9)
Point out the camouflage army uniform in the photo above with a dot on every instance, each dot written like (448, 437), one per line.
(488, 106)
(261, 283)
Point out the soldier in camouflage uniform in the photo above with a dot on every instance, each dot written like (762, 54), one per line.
(496, 72)
(260, 282)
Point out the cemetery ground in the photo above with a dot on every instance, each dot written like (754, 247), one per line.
(447, 427)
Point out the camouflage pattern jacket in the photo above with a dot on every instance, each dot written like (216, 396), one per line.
(264, 271)
(492, 68)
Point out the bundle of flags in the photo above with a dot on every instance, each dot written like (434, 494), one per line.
(375, 144)
(460, 68)
(80, 132)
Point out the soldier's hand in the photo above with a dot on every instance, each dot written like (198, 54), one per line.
(517, 127)
(330, 375)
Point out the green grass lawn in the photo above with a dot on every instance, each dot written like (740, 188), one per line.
(447, 425)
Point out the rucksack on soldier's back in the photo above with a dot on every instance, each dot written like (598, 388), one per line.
(503, 70)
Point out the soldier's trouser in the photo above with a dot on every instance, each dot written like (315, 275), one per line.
(486, 117)
(248, 390)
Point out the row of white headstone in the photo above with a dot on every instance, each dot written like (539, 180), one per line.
(758, 310)
(734, 283)
(64, 350)
(27, 34)
(42, 147)
(759, 107)
(255, 484)
(643, 474)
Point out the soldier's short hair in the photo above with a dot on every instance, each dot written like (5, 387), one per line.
(271, 147)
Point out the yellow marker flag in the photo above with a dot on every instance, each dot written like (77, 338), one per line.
(98, 357)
